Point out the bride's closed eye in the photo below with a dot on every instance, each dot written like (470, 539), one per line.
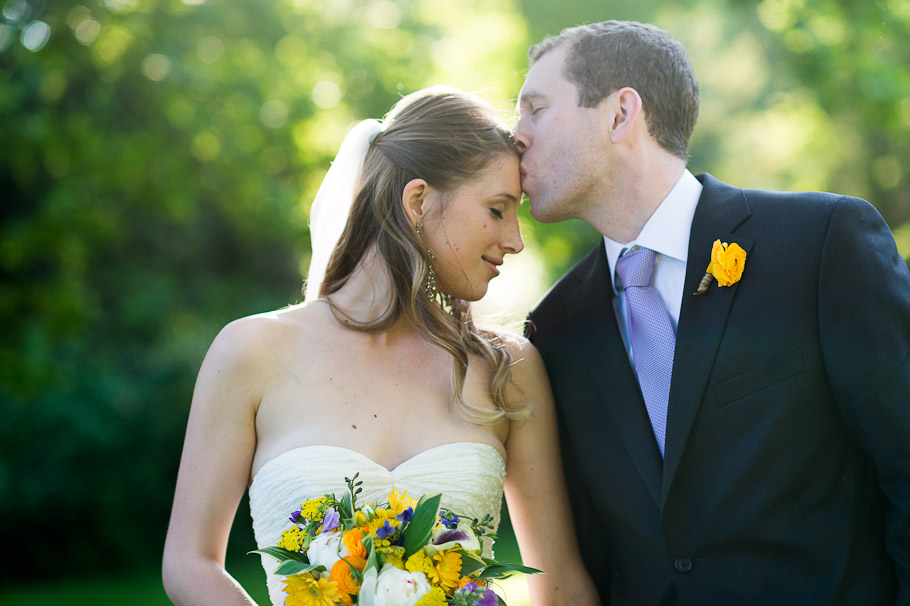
(496, 212)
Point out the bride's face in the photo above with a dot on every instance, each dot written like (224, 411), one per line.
(476, 227)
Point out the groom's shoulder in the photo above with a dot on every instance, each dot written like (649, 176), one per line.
(566, 289)
(781, 203)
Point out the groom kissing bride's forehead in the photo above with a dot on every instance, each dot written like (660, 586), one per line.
(731, 368)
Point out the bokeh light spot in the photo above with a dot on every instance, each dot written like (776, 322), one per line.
(35, 35)
(210, 49)
(382, 15)
(16, 11)
(273, 113)
(77, 16)
(53, 85)
(291, 51)
(121, 6)
(799, 40)
(156, 67)
(206, 146)
(87, 31)
(888, 171)
(326, 94)
(112, 41)
(776, 15)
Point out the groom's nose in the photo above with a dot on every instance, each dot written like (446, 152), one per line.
(521, 137)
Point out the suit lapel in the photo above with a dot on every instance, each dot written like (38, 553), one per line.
(605, 363)
(721, 209)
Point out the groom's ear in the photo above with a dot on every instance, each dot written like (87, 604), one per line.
(414, 199)
(621, 113)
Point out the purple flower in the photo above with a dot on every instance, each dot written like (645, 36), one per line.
(450, 535)
(385, 532)
(331, 520)
(295, 517)
(482, 596)
(406, 515)
(467, 588)
(449, 519)
(489, 599)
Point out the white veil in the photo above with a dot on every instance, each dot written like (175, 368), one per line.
(332, 205)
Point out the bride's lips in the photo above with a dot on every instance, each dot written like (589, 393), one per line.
(493, 265)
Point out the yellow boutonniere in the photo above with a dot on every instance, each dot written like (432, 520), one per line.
(726, 266)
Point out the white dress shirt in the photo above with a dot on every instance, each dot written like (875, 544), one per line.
(667, 234)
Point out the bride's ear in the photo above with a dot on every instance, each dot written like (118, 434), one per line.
(414, 199)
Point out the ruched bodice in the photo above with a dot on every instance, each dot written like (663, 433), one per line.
(469, 475)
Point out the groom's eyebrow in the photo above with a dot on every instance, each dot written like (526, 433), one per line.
(527, 97)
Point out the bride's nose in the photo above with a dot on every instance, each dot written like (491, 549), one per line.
(512, 242)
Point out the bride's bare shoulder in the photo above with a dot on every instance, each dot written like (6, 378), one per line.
(263, 337)
(517, 345)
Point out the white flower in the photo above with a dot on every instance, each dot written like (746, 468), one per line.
(446, 538)
(324, 550)
(392, 587)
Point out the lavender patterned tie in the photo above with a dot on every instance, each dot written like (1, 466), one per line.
(651, 335)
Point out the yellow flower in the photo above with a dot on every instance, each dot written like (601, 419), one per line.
(304, 590)
(399, 501)
(292, 539)
(310, 509)
(393, 556)
(727, 263)
(434, 597)
(382, 516)
(446, 570)
(360, 518)
(419, 562)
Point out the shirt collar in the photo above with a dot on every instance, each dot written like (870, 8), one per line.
(667, 229)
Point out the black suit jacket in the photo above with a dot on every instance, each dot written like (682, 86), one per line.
(786, 477)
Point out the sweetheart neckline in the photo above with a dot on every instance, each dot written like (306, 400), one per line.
(375, 463)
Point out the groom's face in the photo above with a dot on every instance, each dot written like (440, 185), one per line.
(562, 155)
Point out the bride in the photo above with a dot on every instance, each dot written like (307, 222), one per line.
(381, 371)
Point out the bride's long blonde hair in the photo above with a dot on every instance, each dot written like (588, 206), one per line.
(445, 137)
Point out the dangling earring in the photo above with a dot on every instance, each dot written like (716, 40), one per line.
(446, 302)
(429, 286)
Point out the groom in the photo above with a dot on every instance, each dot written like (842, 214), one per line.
(746, 445)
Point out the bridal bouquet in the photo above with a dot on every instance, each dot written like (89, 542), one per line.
(400, 553)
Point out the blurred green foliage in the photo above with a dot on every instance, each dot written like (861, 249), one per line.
(158, 157)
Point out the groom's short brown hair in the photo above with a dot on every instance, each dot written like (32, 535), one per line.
(604, 57)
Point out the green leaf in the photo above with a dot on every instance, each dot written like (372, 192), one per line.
(346, 507)
(420, 529)
(292, 567)
(505, 569)
(281, 554)
(372, 558)
(470, 562)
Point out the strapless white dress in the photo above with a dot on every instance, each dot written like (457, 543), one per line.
(469, 475)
